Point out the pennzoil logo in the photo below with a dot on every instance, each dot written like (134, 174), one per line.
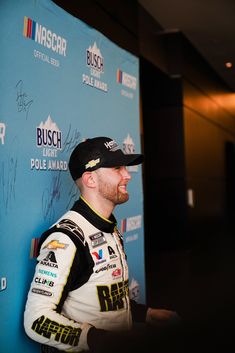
(44, 36)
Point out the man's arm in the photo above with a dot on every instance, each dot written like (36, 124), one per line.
(43, 320)
(153, 316)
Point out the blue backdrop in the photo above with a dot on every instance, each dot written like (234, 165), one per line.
(61, 82)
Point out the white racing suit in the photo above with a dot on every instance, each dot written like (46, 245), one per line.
(80, 281)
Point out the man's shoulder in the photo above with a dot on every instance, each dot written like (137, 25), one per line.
(66, 226)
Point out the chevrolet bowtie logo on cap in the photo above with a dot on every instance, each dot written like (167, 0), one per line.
(92, 163)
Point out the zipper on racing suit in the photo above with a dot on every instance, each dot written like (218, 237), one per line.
(117, 236)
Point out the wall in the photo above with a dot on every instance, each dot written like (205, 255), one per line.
(209, 111)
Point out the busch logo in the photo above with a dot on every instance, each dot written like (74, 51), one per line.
(94, 58)
(48, 135)
(128, 145)
(134, 289)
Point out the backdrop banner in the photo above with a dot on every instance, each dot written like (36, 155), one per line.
(61, 82)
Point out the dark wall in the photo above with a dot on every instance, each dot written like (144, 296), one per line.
(116, 19)
(164, 182)
(188, 119)
(208, 129)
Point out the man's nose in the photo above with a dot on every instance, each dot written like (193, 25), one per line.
(125, 173)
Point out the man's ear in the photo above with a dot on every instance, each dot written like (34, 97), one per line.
(88, 179)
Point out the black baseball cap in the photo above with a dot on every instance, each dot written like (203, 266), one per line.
(98, 152)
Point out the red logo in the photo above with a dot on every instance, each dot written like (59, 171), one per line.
(117, 272)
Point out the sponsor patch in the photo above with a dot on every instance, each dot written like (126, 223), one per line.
(112, 254)
(44, 282)
(97, 239)
(42, 292)
(106, 268)
(99, 256)
(117, 273)
(50, 260)
(55, 244)
(47, 273)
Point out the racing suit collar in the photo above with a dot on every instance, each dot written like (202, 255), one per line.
(82, 207)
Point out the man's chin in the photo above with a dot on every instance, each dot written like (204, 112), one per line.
(122, 198)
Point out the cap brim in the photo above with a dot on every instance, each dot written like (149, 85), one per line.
(135, 159)
(124, 160)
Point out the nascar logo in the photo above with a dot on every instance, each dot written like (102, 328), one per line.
(44, 36)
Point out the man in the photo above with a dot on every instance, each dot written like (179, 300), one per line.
(79, 292)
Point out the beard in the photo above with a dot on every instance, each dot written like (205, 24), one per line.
(113, 194)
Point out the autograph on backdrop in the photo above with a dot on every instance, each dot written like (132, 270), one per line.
(71, 140)
(22, 100)
(50, 196)
(8, 181)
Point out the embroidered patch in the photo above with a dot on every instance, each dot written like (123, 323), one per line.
(55, 244)
(97, 239)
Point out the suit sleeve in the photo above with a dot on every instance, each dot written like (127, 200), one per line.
(139, 311)
(43, 320)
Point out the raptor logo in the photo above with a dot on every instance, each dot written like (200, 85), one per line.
(111, 298)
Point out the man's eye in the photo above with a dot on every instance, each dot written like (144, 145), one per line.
(117, 168)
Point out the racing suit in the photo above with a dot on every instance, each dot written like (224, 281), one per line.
(80, 281)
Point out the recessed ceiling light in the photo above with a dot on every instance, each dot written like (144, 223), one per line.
(228, 65)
